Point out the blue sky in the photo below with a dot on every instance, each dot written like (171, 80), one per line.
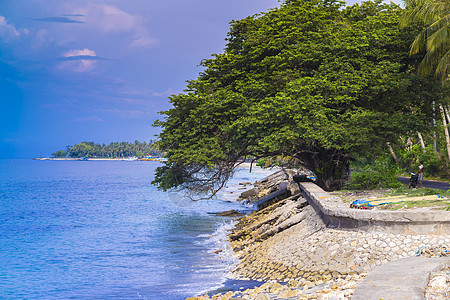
(93, 70)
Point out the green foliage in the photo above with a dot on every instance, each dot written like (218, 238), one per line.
(59, 153)
(279, 161)
(434, 38)
(429, 191)
(435, 165)
(263, 162)
(404, 190)
(309, 80)
(113, 150)
(381, 174)
(409, 158)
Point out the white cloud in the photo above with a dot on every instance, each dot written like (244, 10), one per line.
(79, 65)
(41, 38)
(110, 19)
(35, 38)
(9, 31)
(84, 52)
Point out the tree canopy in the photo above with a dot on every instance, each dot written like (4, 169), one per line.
(311, 80)
(113, 150)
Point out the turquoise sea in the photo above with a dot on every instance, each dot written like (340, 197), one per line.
(100, 230)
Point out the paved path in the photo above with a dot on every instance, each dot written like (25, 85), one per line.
(442, 185)
(401, 279)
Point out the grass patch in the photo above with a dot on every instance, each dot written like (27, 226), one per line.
(418, 192)
(441, 204)
(349, 196)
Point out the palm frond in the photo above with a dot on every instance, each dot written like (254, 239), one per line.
(443, 66)
(441, 34)
(427, 64)
(419, 43)
(435, 38)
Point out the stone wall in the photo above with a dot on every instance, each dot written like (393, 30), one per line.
(337, 214)
(299, 236)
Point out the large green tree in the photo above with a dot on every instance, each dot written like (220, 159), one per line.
(309, 80)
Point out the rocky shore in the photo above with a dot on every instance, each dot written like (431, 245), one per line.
(285, 244)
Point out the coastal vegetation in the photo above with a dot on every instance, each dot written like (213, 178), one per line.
(434, 37)
(315, 81)
(113, 150)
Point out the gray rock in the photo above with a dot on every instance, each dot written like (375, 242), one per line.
(229, 213)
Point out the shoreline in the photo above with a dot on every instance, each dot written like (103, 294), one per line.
(72, 159)
(87, 159)
(287, 249)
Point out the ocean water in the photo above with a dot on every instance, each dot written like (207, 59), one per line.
(100, 230)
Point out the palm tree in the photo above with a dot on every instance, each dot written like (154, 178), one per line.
(435, 38)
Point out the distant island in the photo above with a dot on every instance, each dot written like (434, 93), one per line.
(112, 151)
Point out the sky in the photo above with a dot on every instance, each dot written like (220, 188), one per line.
(101, 70)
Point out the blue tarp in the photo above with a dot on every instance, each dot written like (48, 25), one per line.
(360, 202)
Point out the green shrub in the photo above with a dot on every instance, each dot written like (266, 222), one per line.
(380, 174)
(434, 165)
(262, 162)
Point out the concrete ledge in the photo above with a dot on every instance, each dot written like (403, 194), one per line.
(401, 279)
(337, 214)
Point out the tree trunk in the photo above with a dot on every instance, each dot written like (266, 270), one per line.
(422, 144)
(331, 167)
(434, 128)
(446, 110)
(409, 144)
(393, 153)
(444, 122)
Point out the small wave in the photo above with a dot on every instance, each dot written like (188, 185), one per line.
(218, 243)
(219, 246)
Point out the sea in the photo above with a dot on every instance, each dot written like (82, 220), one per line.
(101, 230)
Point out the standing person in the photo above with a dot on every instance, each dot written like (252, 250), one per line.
(420, 174)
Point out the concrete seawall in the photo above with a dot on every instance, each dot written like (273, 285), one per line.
(307, 244)
(337, 214)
